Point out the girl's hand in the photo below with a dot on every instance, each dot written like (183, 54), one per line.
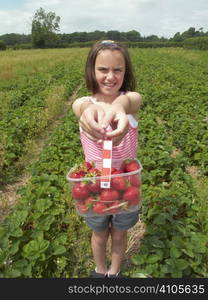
(91, 120)
(116, 117)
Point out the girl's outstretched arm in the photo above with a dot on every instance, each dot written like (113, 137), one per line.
(121, 106)
(90, 118)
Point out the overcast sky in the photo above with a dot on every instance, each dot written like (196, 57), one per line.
(160, 17)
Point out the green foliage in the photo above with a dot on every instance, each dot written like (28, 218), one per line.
(44, 29)
(173, 124)
(2, 45)
(199, 43)
(30, 104)
(44, 237)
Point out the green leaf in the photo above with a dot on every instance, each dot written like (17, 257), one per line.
(59, 249)
(14, 248)
(138, 259)
(140, 275)
(46, 222)
(35, 248)
(188, 252)
(181, 264)
(23, 266)
(156, 242)
(153, 258)
(175, 252)
(13, 273)
(43, 204)
(17, 232)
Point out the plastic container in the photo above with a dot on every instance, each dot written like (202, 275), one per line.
(123, 196)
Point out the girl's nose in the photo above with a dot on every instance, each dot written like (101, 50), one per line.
(110, 75)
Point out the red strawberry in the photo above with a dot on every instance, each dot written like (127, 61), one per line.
(114, 206)
(132, 195)
(118, 183)
(81, 208)
(94, 186)
(116, 172)
(130, 165)
(134, 180)
(87, 165)
(80, 191)
(109, 195)
(77, 174)
(99, 208)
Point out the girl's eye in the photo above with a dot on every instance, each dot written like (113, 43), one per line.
(102, 70)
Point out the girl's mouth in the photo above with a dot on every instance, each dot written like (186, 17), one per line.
(109, 84)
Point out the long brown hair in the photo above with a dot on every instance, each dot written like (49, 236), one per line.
(129, 82)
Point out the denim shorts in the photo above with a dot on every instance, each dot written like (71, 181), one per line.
(119, 221)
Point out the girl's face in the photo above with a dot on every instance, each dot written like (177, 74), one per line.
(109, 71)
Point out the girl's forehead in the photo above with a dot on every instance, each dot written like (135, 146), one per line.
(110, 56)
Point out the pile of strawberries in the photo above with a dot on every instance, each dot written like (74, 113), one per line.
(123, 195)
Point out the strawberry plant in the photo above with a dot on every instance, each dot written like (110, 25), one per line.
(44, 236)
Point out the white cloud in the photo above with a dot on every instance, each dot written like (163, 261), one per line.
(160, 17)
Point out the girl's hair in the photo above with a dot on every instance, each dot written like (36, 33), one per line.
(129, 83)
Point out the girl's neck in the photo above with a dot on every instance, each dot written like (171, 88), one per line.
(106, 98)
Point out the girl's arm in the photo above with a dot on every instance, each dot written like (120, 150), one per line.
(90, 117)
(120, 107)
(130, 102)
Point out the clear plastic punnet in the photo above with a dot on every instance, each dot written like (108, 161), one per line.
(122, 194)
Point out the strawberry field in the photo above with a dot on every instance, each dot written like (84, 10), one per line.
(43, 236)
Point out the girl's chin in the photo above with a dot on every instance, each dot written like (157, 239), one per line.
(109, 90)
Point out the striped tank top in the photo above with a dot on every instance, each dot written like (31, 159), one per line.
(127, 148)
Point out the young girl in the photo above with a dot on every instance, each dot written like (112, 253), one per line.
(113, 103)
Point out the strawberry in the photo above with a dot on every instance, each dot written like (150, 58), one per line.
(80, 191)
(81, 208)
(132, 195)
(87, 165)
(85, 206)
(116, 172)
(118, 183)
(114, 206)
(130, 165)
(134, 180)
(94, 186)
(77, 174)
(99, 208)
(109, 195)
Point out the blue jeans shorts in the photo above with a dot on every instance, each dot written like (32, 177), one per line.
(119, 221)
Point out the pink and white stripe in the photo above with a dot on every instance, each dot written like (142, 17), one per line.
(126, 149)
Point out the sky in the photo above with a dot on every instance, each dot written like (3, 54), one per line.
(160, 17)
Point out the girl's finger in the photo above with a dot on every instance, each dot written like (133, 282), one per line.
(108, 118)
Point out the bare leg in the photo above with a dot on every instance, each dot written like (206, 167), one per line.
(119, 244)
(98, 242)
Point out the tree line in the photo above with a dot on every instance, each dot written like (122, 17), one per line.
(45, 29)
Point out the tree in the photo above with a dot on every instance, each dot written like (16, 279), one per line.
(2, 45)
(114, 35)
(133, 36)
(44, 29)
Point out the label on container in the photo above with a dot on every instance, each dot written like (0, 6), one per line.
(106, 164)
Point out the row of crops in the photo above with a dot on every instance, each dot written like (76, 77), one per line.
(44, 237)
(33, 89)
